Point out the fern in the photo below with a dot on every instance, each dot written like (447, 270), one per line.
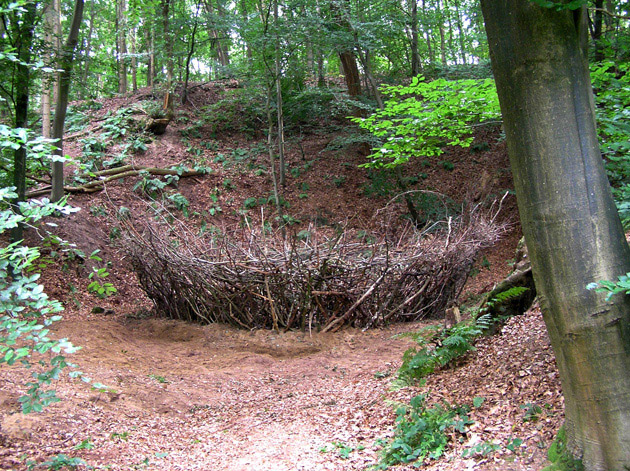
(507, 295)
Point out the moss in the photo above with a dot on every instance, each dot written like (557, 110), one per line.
(560, 457)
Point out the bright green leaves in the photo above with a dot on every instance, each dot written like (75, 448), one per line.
(422, 118)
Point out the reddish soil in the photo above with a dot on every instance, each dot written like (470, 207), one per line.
(189, 397)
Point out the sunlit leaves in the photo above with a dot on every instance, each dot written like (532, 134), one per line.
(422, 118)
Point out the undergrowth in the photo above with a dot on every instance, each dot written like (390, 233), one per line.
(440, 346)
(422, 432)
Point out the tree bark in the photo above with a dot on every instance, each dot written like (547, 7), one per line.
(65, 65)
(415, 55)
(23, 44)
(88, 47)
(568, 216)
(121, 45)
(168, 44)
(51, 41)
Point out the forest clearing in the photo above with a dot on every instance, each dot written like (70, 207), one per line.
(285, 235)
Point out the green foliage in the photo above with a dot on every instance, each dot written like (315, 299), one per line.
(481, 449)
(160, 379)
(241, 110)
(26, 312)
(438, 347)
(62, 461)
(496, 304)
(118, 124)
(317, 103)
(149, 185)
(422, 118)
(622, 285)
(86, 444)
(97, 287)
(180, 202)
(531, 412)
(422, 433)
(561, 457)
(611, 82)
(38, 152)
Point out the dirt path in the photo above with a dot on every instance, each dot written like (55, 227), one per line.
(188, 397)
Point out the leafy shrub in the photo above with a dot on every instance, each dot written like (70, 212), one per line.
(422, 118)
(422, 433)
(242, 110)
(26, 312)
(438, 347)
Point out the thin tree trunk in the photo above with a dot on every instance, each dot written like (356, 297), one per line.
(415, 55)
(442, 35)
(121, 44)
(460, 30)
(88, 47)
(150, 36)
(168, 43)
(427, 35)
(568, 216)
(51, 41)
(596, 30)
(280, 113)
(191, 51)
(134, 61)
(22, 82)
(272, 158)
(65, 65)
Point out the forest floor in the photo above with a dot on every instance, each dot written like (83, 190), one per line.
(191, 397)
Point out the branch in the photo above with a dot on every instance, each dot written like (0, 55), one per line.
(614, 15)
(106, 176)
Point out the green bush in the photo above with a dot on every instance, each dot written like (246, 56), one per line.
(438, 347)
(422, 433)
(422, 118)
(26, 312)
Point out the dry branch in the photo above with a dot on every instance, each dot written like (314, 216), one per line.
(254, 280)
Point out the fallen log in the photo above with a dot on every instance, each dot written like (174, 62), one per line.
(109, 175)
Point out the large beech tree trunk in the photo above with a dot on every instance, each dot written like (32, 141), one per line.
(568, 216)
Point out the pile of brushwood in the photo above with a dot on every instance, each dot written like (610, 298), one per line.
(252, 279)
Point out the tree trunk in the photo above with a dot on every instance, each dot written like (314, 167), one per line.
(279, 104)
(427, 35)
(134, 61)
(168, 44)
(350, 72)
(65, 65)
(568, 216)
(88, 47)
(460, 30)
(121, 44)
(51, 40)
(150, 37)
(596, 30)
(191, 51)
(23, 46)
(415, 55)
(442, 35)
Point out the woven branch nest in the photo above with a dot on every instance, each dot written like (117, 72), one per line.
(253, 280)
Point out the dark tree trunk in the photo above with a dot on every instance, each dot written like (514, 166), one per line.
(350, 72)
(569, 219)
(22, 80)
(596, 30)
(65, 65)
